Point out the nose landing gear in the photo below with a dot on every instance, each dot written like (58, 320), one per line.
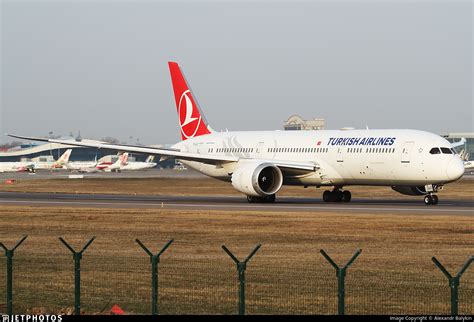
(430, 199)
(337, 195)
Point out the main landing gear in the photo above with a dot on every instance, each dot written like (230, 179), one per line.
(267, 199)
(337, 195)
(430, 199)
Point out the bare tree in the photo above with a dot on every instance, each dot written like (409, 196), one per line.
(110, 139)
(10, 145)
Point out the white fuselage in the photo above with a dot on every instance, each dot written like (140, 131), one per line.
(343, 157)
(14, 166)
(80, 165)
(138, 165)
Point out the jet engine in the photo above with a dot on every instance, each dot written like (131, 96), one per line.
(257, 179)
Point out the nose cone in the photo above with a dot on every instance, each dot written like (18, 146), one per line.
(455, 169)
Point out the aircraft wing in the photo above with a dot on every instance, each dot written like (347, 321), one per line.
(212, 159)
(459, 143)
(166, 153)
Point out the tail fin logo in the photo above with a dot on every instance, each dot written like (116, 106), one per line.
(124, 158)
(189, 117)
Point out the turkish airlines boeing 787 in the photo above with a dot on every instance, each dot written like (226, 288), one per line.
(258, 163)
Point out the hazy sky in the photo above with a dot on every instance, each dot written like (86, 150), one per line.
(101, 66)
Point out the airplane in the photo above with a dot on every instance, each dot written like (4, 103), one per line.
(81, 166)
(17, 167)
(31, 166)
(116, 166)
(259, 163)
(58, 164)
(95, 166)
(139, 165)
(469, 165)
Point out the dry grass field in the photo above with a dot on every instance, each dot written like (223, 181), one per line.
(393, 275)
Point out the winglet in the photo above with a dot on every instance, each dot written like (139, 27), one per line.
(32, 138)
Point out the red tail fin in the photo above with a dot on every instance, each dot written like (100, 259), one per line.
(124, 158)
(191, 121)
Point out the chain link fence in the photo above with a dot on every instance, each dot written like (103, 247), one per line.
(208, 284)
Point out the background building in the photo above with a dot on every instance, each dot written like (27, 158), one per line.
(468, 146)
(52, 151)
(297, 123)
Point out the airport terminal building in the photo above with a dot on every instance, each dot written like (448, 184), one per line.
(297, 123)
(468, 146)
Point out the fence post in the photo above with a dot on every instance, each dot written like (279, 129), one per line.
(241, 267)
(77, 256)
(9, 254)
(453, 282)
(154, 259)
(341, 278)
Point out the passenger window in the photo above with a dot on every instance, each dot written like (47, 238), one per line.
(435, 151)
(446, 151)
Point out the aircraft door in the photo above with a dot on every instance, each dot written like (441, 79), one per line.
(340, 154)
(406, 152)
(259, 147)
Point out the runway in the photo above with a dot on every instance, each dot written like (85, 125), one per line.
(237, 203)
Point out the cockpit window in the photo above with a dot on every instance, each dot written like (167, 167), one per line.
(435, 151)
(446, 150)
(454, 151)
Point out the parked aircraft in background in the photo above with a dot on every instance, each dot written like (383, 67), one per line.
(81, 165)
(468, 165)
(116, 166)
(32, 166)
(58, 164)
(16, 167)
(136, 165)
(258, 163)
(97, 166)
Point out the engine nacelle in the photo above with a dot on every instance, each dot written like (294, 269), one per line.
(257, 179)
(417, 190)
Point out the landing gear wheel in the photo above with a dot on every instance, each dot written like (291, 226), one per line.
(428, 200)
(267, 199)
(346, 196)
(270, 199)
(327, 196)
(435, 199)
(337, 195)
